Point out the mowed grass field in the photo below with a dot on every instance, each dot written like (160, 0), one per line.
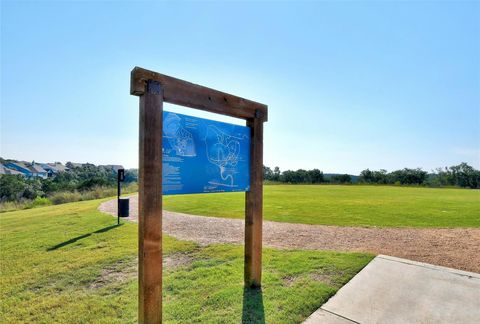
(72, 264)
(355, 205)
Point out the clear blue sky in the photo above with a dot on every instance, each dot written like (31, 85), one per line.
(349, 85)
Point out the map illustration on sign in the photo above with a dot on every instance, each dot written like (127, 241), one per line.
(223, 150)
(179, 138)
(201, 155)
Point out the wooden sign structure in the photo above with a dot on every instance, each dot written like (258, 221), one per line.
(154, 89)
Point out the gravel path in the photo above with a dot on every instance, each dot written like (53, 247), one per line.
(455, 248)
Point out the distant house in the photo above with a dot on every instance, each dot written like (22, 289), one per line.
(51, 171)
(5, 170)
(53, 168)
(29, 170)
(19, 167)
(59, 166)
(38, 171)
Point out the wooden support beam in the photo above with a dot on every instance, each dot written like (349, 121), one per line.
(191, 95)
(150, 205)
(254, 207)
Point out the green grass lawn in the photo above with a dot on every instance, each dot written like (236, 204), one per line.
(71, 264)
(345, 205)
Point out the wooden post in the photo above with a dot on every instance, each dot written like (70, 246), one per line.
(254, 206)
(150, 205)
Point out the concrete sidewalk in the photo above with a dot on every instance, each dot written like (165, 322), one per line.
(394, 290)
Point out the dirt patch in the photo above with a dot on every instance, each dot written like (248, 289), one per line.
(289, 280)
(123, 271)
(324, 278)
(328, 278)
(118, 272)
(177, 260)
(457, 248)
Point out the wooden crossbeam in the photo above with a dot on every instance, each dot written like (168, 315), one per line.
(192, 95)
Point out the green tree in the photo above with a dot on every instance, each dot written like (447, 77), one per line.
(16, 187)
(465, 175)
(276, 174)
(341, 178)
(367, 176)
(316, 176)
(267, 173)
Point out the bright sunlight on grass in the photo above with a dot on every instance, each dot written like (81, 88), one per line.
(382, 206)
(70, 263)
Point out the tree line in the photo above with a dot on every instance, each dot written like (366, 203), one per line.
(303, 176)
(82, 179)
(89, 177)
(462, 175)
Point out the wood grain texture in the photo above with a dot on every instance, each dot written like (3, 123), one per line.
(191, 95)
(254, 207)
(150, 207)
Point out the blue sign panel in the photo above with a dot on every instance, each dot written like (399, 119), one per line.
(201, 155)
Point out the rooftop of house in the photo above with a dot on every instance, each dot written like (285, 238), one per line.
(20, 164)
(55, 167)
(5, 170)
(36, 167)
(31, 167)
(52, 167)
(59, 166)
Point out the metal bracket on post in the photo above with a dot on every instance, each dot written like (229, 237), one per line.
(154, 87)
(259, 114)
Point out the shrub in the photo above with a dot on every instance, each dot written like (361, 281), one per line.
(98, 192)
(16, 188)
(7, 206)
(39, 201)
(95, 193)
(65, 197)
(131, 187)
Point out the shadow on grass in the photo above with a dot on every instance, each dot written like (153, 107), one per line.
(253, 311)
(75, 239)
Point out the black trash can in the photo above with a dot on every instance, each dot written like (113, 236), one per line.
(123, 207)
